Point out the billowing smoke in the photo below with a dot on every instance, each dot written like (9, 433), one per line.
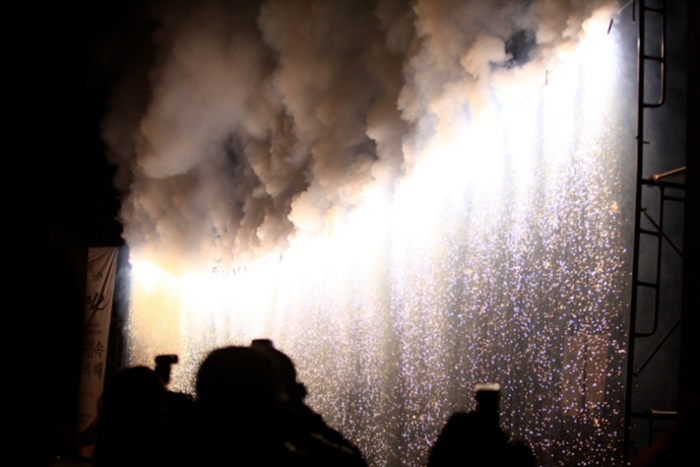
(407, 197)
(267, 120)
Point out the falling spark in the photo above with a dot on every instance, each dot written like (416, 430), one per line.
(405, 209)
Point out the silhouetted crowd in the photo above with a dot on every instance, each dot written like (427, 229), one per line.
(250, 411)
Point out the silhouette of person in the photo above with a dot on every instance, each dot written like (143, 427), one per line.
(474, 438)
(131, 428)
(237, 411)
(178, 405)
(305, 430)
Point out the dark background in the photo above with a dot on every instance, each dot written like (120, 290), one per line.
(63, 64)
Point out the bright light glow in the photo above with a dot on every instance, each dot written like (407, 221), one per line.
(497, 246)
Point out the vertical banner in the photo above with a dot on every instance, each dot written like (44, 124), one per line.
(99, 295)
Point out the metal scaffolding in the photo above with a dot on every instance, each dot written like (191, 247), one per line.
(655, 251)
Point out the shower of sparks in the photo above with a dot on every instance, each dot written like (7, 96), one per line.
(497, 258)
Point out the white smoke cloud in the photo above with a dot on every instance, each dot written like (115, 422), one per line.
(262, 121)
(391, 154)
